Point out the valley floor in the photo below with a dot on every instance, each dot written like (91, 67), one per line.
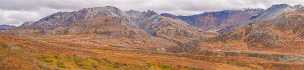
(75, 53)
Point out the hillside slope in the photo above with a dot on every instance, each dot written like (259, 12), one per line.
(281, 34)
(58, 52)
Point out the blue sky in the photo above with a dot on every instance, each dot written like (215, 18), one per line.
(15, 12)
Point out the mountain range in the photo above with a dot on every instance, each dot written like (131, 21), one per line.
(108, 38)
(6, 27)
(208, 21)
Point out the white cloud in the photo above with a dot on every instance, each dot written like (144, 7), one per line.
(17, 17)
(17, 11)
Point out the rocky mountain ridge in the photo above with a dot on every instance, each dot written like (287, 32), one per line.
(6, 27)
(110, 22)
(229, 19)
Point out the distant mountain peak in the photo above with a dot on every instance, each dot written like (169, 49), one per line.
(253, 9)
(299, 6)
(273, 11)
(280, 6)
(67, 18)
(168, 15)
(6, 27)
(102, 8)
(133, 11)
(107, 10)
(150, 13)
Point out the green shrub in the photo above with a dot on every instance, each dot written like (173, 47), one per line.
(165, 67)
(88, 64)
